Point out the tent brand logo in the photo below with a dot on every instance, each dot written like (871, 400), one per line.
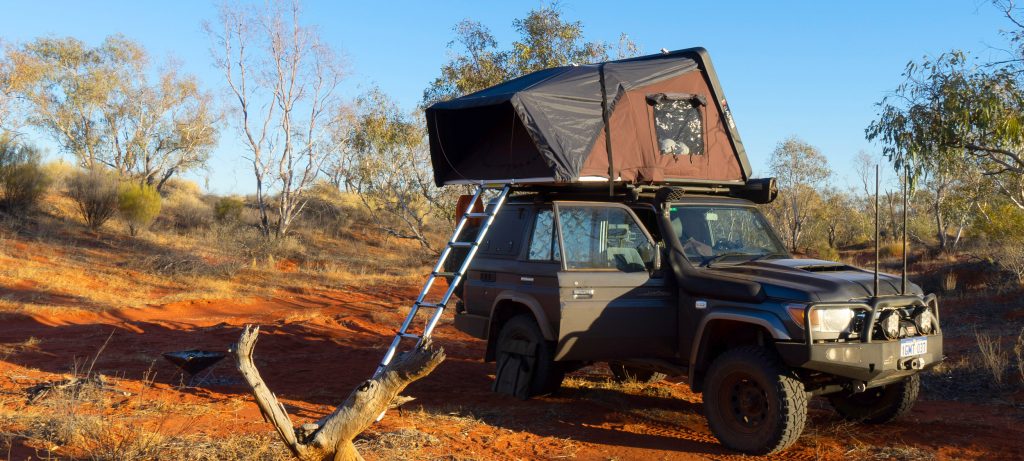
(728, 115)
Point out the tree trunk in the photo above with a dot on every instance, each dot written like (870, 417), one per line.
(940, 222)
(331, 437)
(795, 227)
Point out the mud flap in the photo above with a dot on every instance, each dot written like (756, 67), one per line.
(517, 360)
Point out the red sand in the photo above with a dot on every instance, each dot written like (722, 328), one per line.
(315, 348)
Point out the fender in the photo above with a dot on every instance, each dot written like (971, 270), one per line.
(771, 323)
(530, 303)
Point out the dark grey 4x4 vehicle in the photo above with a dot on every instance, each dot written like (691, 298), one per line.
(632, 237)
(674, 280)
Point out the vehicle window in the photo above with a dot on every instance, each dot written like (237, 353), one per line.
(724, 233)
(678, 123)
(543, 244)
(601, 237)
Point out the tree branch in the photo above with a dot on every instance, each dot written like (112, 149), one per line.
(331, 437)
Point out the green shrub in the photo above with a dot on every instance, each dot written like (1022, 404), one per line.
(139, 205)
(22, 180)
(228, 209)
(94, 191)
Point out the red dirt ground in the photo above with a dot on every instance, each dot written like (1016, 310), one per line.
(315, 348)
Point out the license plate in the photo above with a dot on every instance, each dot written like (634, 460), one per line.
(913, 346)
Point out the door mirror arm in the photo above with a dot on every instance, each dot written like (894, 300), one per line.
(656, 264)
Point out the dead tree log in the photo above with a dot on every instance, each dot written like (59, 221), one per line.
(331, 437)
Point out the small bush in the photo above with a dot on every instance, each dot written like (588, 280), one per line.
(994, 359)
(184, 209)
(58, 171)
(139, 205)
(824, 252)
(892, 250)
(22, 180)
(228, 209)
(1007, 255)
(949, 282)
(94, 191)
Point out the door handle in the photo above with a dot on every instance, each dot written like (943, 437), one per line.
(583, 293)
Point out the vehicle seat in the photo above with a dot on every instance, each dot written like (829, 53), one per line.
(626, 259)
(691, 224)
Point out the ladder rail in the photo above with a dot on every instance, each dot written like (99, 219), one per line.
(488, 216)
(461, 272)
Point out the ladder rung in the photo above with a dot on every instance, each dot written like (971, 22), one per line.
(488, 213)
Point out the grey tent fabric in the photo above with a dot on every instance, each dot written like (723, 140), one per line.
(542, 127)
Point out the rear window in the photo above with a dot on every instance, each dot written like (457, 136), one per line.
(678, 123)
(543, 243)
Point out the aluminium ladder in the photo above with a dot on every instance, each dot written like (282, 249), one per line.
(490, 210)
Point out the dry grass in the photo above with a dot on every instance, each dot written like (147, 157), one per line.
(994, 358)
(62, 266)
(8, 350)
(1018, 350)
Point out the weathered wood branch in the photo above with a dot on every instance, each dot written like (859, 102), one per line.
(331, 437)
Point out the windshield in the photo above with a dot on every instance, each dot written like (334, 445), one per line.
(711, 234)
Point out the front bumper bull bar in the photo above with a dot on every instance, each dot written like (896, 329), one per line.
(870, 361)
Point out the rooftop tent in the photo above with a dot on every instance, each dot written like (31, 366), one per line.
(667, 118)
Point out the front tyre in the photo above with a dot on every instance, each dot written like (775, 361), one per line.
(878, 405)
(753, 403)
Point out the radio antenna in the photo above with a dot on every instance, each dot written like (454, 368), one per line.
(876, 231)
(906, 188)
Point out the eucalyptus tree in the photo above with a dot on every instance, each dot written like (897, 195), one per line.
(545, 39)
(390, 169)
(68, 86)
(283, 80)
(99, 105)
(801, 170)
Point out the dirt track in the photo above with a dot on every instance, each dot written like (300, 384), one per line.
(315, 347)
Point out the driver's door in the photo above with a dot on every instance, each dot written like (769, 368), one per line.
(611, 307)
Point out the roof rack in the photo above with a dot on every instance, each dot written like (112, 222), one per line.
(761, 190)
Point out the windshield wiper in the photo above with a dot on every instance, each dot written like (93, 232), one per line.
(707, 261)
(767, 255)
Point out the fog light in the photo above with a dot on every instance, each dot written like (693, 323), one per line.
(925, 321)
(890, 324)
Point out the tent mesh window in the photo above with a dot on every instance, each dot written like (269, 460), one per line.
(678, 124)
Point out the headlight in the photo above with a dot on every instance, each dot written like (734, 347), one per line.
(836, 321)
(924, 319)
(889, 322)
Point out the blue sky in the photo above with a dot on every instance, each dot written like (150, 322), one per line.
(811, 69)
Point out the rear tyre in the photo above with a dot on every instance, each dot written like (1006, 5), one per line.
(545, 375)
(753, 403)
(624, 373)
(878, 405)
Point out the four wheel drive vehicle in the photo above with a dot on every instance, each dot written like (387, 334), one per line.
(626, 232)
(666, 281)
